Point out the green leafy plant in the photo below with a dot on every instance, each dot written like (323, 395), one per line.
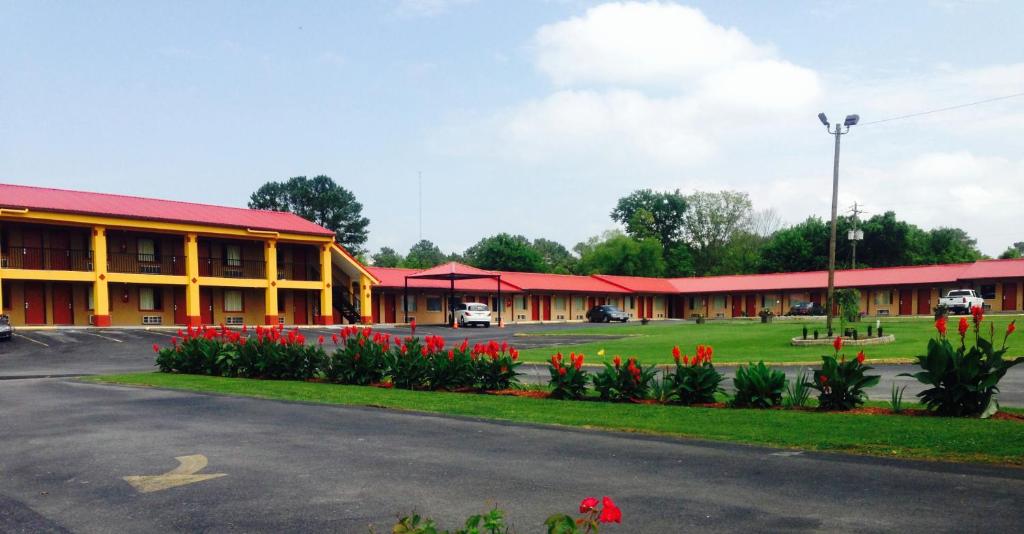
(896, 398)
(359, 359)
(695, 381)
(619, 382)
(848, 302)
(797, 391)
(758, 386)
(492, 522)
(964, 382)
(568, 381)
(496, 365)
(841, 383)
(592, 516)
(408, 364)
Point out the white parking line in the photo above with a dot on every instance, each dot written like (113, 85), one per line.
(101, 336)
(32, 340)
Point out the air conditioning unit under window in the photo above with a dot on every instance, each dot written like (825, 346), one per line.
(235, 320)
(149, 269)
(152, 319)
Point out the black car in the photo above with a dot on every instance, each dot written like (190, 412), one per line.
(6, 330)
(606, 314)
(806, 308)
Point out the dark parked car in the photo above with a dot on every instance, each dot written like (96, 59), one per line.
(6, 330)
(606, 313)
(806, 308)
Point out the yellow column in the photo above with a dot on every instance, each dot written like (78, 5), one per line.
(270, 301)
(100, 292)
(326, 300)
(195, 316)
(365, 302)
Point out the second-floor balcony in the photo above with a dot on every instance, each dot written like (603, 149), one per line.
(298, 271)
(232, 268)
(48, 259)
(145, 264)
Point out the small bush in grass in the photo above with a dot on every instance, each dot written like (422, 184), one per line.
(359, 359)
(896, 398)
(568, 381)
(758, 386)
(841, 383)
(695, 381)
(964, 381)
(797, 391)
(619, 382)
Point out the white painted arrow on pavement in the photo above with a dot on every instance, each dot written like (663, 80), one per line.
(184, 474)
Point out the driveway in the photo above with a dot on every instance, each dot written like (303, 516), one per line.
(290, 467)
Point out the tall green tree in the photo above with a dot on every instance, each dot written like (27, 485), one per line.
(646, 214)
(505, 252)
(617, 253)
(710, 221)
(557, 258)
(424, 255)
(801, 247)
(321, 200)
(387, 257)
(951, 245)
(1014, 251)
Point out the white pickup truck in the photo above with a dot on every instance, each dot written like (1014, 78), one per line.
(961, 300)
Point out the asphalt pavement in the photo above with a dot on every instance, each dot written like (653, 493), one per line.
(66, 447)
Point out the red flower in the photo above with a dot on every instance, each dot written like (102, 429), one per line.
(940, 325)
(320, 340)
(451, 354)
(823, 379)
(962, 327)
(617, 361)
(860, 357)
(609, 512)
(675, 353)
(1010, 328)
(837, 343)
(412, 325)
(561, 371)
(979, 314)
(334, 338)
(588, 504)
(156, 348)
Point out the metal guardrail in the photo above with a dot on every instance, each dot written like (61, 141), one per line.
(145, 264)
(48, 259)
(232, 268)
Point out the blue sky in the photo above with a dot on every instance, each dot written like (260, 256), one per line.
(527, 116)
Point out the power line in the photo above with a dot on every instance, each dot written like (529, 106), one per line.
(950, 108)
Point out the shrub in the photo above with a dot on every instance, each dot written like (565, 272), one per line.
(496, 365)
(568, 381)
(359, 359)
(797, 391)
(840, 383)
(695, 381)
(963, 381)
(408, 364)
(200, 351)
(449, 369)
(592, 516)
(758, 386)
(620, 383)
(492, 522)
(896, 398)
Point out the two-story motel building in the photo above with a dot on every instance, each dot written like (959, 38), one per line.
(76, 258)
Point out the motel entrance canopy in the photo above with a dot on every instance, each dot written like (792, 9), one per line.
(451, 272)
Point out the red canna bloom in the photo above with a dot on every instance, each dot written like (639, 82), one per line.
(320, 340)
(156, 348)
(675, 353)
(962, 327)
(979, 314)
(412, 325)
(561, 371)
(617, 361)
(823, 379)
(837, 343)
(940, 325)
(515, 353)
(1012, 327)
(860, 357)
(334, 338)
(451, 354)
(588, 504)
(609, 512)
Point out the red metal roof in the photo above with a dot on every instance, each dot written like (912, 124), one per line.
(640, 284)
(454, 270)
(85, 203)
(562, 282)
(993, 269)
(393, 277)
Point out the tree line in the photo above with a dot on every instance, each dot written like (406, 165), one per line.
(661, 233)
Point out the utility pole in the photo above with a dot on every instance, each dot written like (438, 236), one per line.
(420, 183)
(851, 120)
(856, 234)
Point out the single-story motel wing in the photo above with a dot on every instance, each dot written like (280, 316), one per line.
(80, 258)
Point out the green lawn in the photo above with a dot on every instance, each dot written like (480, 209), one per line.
(933, 438)
(744, 341)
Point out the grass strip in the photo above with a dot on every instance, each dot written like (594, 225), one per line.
(926, 438)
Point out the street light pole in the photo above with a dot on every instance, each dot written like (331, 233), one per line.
(851, 120)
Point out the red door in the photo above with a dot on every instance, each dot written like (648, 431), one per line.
(535, 307)
(389, 308)
(32, 242)
(752, 305)
(1009, 296)
(650, 307)
(206, 306)
(375, 303)
(590, 303)
(737, 305)
(640, 307)
(300, 308)
(59, 252)
(63, 313)
(547, 307)
(180, 308)
(35, 303)
(906, 302)
(924, 301)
